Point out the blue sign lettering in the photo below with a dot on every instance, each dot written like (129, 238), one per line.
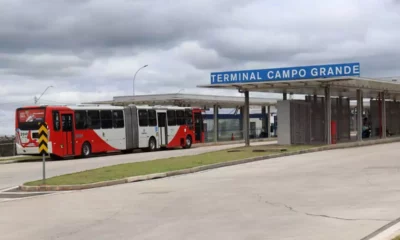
(289, 73)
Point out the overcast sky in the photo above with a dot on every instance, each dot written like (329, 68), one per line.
(90, 50)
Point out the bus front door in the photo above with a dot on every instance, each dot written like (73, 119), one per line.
(67, 134)
(162, 128)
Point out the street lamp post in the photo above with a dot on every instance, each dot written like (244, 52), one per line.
(37, 99)
(133, 87)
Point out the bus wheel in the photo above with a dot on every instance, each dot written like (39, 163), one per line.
(188, 142)
(152, 144)
(86, 149)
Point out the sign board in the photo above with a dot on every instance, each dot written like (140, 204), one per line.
(43, 139)
(285, 74)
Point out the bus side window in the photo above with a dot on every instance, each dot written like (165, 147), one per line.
(118, 119)
(188, 118)
(56, 121)
(80, 120)
(93, 119)
(180, 117)
(171, 117)
(152, 118)
(143, 118)
(106, 119)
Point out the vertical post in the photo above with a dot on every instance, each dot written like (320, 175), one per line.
(350, 116)
(380, 114)
(44, 169)
(328, 114)
(383, 115)
(246, 119)
(264, 120)
(241, 122)
(284, 96)
(340, 120)
(359, 115)
(43, 148)
(269, 122)
(215, 123)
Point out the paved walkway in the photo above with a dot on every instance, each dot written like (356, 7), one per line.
(339, 194)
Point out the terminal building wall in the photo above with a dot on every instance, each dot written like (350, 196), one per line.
(341, 114)
(392, 118)
(303, 122)
(374, 121)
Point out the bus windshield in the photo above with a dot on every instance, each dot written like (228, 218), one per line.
(29, 119)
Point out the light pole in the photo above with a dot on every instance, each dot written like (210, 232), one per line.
(133, 88)
(37, 99)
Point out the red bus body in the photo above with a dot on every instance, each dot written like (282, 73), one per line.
(85, 129)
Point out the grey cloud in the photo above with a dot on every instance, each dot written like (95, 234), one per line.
(93, 25)
(330, 32)
(203, 58)
(42, 65)
(88, 30)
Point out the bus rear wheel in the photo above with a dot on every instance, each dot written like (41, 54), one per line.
(152, 144)
(86, 149)
(188, 142)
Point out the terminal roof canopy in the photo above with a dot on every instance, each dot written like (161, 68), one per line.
(193, 100)
(343, 80)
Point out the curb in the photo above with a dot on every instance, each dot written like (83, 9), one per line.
(8, 161)
(205, 167)
(71, 187)
(22, 161)
(386, 232)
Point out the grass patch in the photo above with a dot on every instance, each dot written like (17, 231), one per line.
(161, 165)
(396, 238)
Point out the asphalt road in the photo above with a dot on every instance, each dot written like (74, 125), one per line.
(17, 173)
(338, 194)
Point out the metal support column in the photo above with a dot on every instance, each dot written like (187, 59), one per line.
(284, 96)
(269, 121)
(264, 121)
(246, 119)
(383, 115)
(328, 114)
(241, 122)
(359, 114)
(215, 123)
(349, 123)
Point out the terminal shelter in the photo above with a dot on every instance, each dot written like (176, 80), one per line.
(325, 115)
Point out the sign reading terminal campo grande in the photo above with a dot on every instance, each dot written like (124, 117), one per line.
(289, 73)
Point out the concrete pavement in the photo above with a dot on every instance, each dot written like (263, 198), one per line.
(17, 173)
(338, 194)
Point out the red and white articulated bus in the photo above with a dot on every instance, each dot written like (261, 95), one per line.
(81, 130)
